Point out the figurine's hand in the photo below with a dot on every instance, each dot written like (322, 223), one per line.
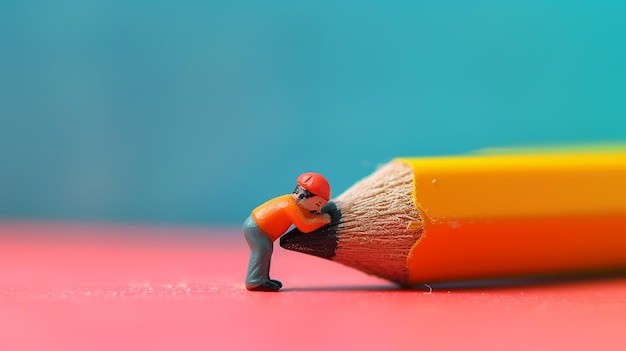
(326, 217)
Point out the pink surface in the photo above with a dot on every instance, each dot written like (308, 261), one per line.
(102, 287)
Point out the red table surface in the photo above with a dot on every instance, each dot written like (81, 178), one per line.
(67, 286)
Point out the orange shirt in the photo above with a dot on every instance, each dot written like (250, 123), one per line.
(277, 215)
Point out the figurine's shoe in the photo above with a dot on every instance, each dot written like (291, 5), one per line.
(277, 282)
(267, 286)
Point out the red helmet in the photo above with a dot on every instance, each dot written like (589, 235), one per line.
(315, 183)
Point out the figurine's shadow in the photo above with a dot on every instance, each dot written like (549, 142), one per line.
(346, 288)
(492, 284)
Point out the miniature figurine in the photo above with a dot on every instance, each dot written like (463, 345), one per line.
(273, 218)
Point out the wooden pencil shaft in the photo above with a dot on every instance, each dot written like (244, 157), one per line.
(490, 216)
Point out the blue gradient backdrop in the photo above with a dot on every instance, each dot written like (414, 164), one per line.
(197, 111)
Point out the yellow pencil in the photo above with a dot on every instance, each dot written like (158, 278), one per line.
(421, 220)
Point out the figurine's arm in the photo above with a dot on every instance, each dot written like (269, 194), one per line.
(308, 223)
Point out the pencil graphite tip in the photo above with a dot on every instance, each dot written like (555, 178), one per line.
(321, 242)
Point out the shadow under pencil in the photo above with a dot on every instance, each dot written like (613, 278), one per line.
(532, 281)
(473, 285)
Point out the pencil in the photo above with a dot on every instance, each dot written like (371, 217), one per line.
(473, 217)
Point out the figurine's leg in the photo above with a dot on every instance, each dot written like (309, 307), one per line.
(261, 248)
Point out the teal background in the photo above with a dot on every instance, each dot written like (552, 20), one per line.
(197, 111)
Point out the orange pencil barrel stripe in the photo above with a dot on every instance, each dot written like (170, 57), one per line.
(502, 248)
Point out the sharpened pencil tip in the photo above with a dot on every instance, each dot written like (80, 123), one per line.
(321, 242)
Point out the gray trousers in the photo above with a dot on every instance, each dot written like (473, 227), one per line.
(261, 248)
